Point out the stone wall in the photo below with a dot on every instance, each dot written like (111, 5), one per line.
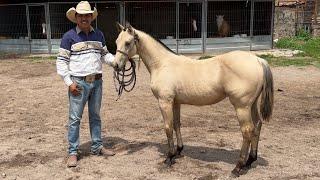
(284, 22)
(316, 30)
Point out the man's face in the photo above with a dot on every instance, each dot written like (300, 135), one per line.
(84, 21)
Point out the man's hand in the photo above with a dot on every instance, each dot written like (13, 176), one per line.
(74, 89)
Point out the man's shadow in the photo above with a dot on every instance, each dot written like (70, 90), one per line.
(202, 153)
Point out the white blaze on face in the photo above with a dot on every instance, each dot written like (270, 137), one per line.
(43, 28)
(219, 20)
(194, 25)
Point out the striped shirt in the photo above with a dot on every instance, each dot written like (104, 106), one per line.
(81, 54)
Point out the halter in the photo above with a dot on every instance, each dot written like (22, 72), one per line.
(121, 75)
(124, 53)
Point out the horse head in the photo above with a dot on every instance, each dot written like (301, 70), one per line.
(126, 45)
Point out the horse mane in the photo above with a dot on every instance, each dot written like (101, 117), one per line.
(159, 41)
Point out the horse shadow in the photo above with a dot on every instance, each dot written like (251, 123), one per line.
(201, 153)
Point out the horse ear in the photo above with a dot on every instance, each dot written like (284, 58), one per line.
(136, 37)
(129, 27)
(119, 27)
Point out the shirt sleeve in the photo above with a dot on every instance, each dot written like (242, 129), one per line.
(106, 56)
(63, 60)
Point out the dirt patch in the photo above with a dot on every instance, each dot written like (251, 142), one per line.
(34, 110)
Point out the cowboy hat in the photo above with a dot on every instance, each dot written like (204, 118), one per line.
(82, 7)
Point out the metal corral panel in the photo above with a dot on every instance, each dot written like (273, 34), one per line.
(184, 26)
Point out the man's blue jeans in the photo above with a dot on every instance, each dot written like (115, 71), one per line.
(91, 93)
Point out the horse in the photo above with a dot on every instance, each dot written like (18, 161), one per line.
(223, 26)
(176, 79)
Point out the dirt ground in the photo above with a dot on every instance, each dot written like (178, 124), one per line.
(33, 119)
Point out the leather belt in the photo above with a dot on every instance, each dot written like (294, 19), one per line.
(90, 78)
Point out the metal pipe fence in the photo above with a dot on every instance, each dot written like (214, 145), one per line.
(184, 26)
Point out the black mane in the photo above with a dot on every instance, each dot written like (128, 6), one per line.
(159, 41)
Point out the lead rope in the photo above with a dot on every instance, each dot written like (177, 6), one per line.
(122, 78)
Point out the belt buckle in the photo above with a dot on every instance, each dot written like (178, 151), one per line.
(90, 78)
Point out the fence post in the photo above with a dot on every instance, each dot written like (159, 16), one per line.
(48, 26)
(272, 23)
(96, 20)
(122, 17)
(204, 25)
(28, 27)
(177, 27)
(251, 23)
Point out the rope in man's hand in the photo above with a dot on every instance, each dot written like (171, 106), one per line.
(126, 79)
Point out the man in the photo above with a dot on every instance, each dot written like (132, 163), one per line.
(79, 63)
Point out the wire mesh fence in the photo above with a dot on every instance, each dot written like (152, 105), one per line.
(59, 24)
(13, 22)
(187, 26)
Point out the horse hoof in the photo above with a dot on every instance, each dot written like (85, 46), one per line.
(179, 149)
(250, 160)
(235, 172)
(247, 167)
(179, 156)
(169, 162)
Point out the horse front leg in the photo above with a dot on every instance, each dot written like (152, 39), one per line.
(166, 106)
(176, 126)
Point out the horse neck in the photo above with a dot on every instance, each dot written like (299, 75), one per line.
(151, 52)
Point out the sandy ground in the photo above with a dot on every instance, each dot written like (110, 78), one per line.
(33, 119)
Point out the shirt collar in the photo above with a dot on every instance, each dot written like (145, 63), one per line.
(79, 30)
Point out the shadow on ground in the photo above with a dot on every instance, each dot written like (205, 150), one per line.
(201, 153)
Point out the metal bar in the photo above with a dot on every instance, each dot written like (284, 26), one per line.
(48, 27)
(28, 27)
(177, 27)
(251, 23)
(204, 25)
(122, 12)
(272, 23)
(69, 2)
(95, 5)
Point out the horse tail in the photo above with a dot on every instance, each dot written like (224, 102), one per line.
(267, 93)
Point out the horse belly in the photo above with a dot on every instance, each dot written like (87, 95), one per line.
(197, 97)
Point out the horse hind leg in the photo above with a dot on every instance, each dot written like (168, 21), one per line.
(176, 126)
(247, 127)
(253, 155)
(166, 107)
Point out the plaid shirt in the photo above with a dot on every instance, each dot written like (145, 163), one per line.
(81, 54)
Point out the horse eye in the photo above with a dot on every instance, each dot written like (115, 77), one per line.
(127, 44)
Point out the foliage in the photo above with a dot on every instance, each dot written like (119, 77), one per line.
(205, 57)
(303, 35)
(303, 41)
(291, 61)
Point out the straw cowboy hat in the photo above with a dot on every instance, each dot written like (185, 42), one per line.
(83, 7)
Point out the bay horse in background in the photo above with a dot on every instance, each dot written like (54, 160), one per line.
(223, 26)
(176, 79)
